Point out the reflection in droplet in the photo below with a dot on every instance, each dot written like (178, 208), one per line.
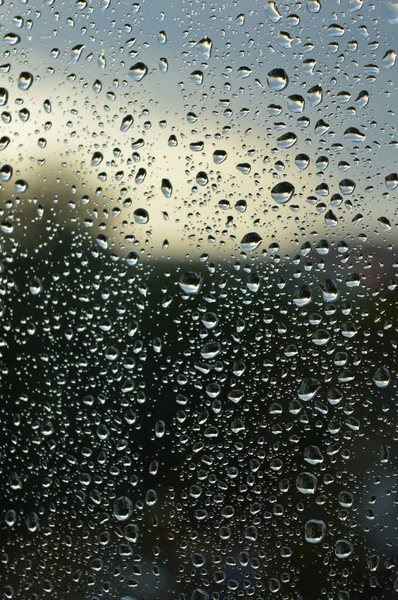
(282, 192)
(25, 80)
(277, 80)
(138, 71)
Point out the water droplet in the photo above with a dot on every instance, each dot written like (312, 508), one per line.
(347, 186)
(343, 548)
(352, 134)
(166, 188)
(277, 80)
(140, 176)
(389, 59)
(25, 80)
(204, 47)
(313, 6)
(282, 192)
(138, 71)
(197, 77)
(382, 377)
(141, 216)
(102, 241)
(330, 219)
(127, 122)
(315, 95)
(302, 161)
(314, 531)
(306, 483)
(96, 159)
(302, 296)
(3, 96)
(251, 241)
(362, 99)
(11, 39)
(35, 286)
(391, 181)
(191, 282)
(244, 168)
(6, 172)
(243, 72)
(162, 38)
(122, 508)
(391, 8)
(330, 291)
(308, 389)
(272, 12)
(163, 65)
(97, 86)
(76, 52)
(296, 103)
(286, 140)
(219, 156)
(313, 455)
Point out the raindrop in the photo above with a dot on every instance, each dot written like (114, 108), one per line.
(277, 80)
(296, 103)
(191, 282)
(251, 241)
(219, 156)
(122, 508)
(306, 483)
(282, 192)
(389, 59)
(302, 161)
(314, 531)
(138, 71)
(25, 80)
(127, 121)
(167, 188)
(382, 377)
(343, 548)
(271, 10)
(315, 95)
(197, 77)
(204, 47)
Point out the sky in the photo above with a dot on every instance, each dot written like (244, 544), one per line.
(70, 48)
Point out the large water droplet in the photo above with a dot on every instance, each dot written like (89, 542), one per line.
(138, 71)
(251, 241)
(382, 377)
(191, 282)
(122, 508)
(204, 47)
(343, 548)
(127, 121)
(25, 80)
(272, 12)
(282, 192)
(306, 483)
(197, 77)
(314, 531)
(166, 188)
(277, 80)
(315, 95)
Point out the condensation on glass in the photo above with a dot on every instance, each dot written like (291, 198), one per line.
(198, 333)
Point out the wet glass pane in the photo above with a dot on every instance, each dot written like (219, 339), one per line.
(198, 280)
